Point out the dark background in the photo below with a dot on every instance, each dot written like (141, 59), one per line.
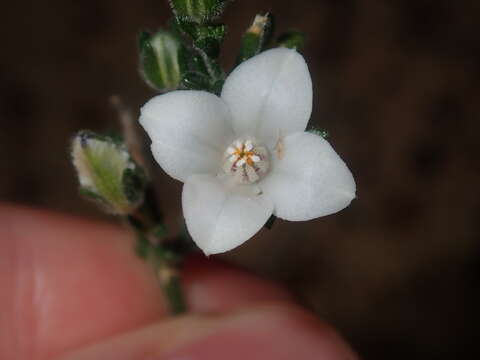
(396, 85)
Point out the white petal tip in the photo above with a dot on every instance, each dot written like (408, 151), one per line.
(218, 218)
(319, 185)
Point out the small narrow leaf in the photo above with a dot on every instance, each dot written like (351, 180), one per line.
(292, 40)
(319, 132)
(196, 81)
(142, 246)
(217, 87)
(159, 231)
(207, 38)
(256, 37)
(134, 183)
(198, 11)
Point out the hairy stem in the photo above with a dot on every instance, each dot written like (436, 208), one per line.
(165, 259)
(171, 284)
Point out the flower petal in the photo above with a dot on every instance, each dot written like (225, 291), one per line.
(270, 94)
(190, 130)
(220, 217)
(308, 179)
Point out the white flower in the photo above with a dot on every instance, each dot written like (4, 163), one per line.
(245, 155)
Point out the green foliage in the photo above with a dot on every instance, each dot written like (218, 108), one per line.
(162, 60)
(186, 55)
(173, 290)
(196, 81)
(134, 182)
(319, 132)
(209, 38)
(90, 194)
(203, 71)
(106, 172)
(142, 246)
(159, 231)
(198, 11)
(256, 38)
(205, 37)
(217, 87)
(292, 40)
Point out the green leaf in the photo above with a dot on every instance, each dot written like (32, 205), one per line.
(256, 37)
(162, 60)
(217, 87)
(173, 291)
(198, 65)
(210, 46)
(184, 26)
(134, 183)
(196, 81)
(159, 231)
(204, 71)
(142, 246)
(90, 194)
(319, 132)
(101, 163)
(198, 11)
(292, 40)
(207, 38)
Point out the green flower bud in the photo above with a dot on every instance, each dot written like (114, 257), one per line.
(256, 37)
(161, 60)
(199, 11)
(292, 40)
(107, 173)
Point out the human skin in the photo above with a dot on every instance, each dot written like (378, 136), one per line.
(72, 289)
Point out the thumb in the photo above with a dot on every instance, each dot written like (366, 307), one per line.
(267, 332)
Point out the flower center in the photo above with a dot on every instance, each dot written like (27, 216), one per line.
(246, 161)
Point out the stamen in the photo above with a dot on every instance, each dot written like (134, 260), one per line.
(255, 158)
(240, 162)
(246, 161)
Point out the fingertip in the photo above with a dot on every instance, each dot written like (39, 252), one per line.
(88, 284)
(273, 331)
(213, 286)
(68, 281)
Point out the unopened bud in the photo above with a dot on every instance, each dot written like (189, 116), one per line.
(161, 60)
(256, 37)
(107, 173)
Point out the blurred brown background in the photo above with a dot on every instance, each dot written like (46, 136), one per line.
(397, 87)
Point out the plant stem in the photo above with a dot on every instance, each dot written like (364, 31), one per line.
(208, 65)
(172, 289)
(164, 259)
(147, 220)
